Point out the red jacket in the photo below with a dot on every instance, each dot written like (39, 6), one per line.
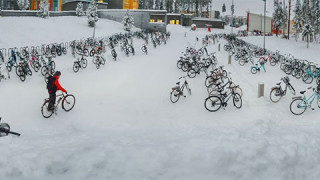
(57, 84)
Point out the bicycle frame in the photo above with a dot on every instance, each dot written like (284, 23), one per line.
(312, 98)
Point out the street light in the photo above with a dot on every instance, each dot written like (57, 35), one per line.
(264, 29)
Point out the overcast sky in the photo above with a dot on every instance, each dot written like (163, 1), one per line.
(242, 6)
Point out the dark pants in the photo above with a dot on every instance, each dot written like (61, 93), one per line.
(52, 97)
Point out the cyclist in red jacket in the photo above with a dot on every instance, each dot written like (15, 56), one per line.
(52, 86)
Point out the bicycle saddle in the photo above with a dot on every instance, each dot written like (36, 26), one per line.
(279, 83)
(177, 83)
(302, 92)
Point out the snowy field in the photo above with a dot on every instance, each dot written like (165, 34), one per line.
(124, 126)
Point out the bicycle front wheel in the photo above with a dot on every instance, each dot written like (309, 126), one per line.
(84, 63)
(68, 102)
(76, 67)
(237, 101)
(174, 96)
(298, 106)
(212, 103)
(44, 110)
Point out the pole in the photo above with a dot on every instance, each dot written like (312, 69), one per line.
(289, 19)
(94, 29)
(232, 19)
(264, 29)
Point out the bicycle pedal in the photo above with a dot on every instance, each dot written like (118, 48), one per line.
(312, 108)
(184, 96)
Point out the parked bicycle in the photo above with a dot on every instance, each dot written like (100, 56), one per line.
(277, 92)
(178, 90)
(80, 63)
(98, 60)
(215, 102)
(299, 104)
(256, 68)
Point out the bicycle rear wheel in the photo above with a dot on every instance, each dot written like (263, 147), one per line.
(275, 95)
(212, 103)
(68, 102)
(44, 110)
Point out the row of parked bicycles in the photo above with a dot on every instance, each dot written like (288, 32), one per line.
(40, 58)
(300, 69)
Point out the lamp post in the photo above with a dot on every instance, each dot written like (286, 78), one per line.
(232, 12)
(264, 29)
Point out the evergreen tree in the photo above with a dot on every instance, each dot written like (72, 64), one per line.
(161, 5)
(92, 13)
(157, 4)
(127, 21)
(23, 4)
(44, 9)
(141, 4)
(79, 9)
(315, 12)
(279, 16)
(298, 17)
(224, 7)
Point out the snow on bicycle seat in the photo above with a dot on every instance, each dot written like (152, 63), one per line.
(302, 92)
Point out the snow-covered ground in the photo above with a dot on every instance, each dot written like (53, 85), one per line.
(298, 49)
(124, 126)
(34, 31)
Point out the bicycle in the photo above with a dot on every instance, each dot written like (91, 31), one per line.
(68, 102)
(215, 102)
(256, 68)
(144, 49)
(80, 63)
(277, 92)
(48, 68)
(177, 91)
(98, 60)
(5, 130)
(302, 103)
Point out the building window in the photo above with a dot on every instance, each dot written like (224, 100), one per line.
(159, 21)
(172, 21)
(152, 20)
(177, 22)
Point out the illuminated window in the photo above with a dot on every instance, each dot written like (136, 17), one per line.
(152, 20)
(159, 21)
(172, 22)
(177, 22)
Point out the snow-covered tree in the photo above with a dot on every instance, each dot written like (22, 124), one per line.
(298, 17)
(307, 32)
(79, 9)
(279, 16)
(23, 4)
(44, 9)
(223, 8)
(127, 21)
(315, 16)
(92, 13)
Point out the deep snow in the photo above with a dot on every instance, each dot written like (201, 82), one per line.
(124, 126)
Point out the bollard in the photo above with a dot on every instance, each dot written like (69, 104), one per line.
(260, 90)
(229, 59)
(219, 47)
